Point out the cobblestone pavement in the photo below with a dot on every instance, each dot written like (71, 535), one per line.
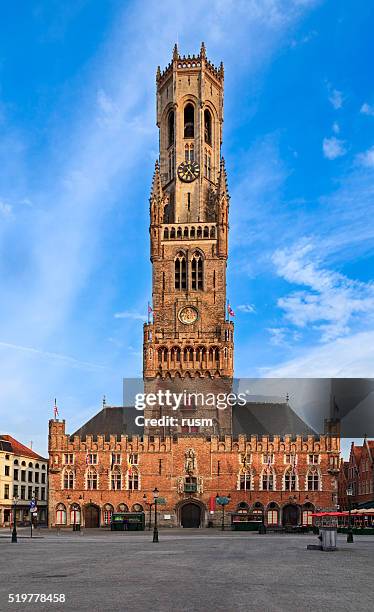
(192, 570)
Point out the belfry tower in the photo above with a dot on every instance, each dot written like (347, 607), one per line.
(189, 345)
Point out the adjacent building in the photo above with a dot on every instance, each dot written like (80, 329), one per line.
(108, 466)
(23, 477)
(357, 475)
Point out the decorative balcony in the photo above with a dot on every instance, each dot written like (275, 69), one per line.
(190, 487)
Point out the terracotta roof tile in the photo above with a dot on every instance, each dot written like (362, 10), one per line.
(20, 449)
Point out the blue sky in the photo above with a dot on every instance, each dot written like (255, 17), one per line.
(78, 142)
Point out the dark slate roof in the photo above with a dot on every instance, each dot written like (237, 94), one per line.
(271, 418)
(261, 418)
(111, 420)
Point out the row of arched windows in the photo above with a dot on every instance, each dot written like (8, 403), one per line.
(75, 517)
(189, 232)
(117, 481)
(181, 275)
(189, 125)
(200, 355)
(290, 480)
(272, 512)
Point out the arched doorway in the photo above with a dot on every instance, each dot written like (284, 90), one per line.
(290, 515)
(91, 516)
(190, 515)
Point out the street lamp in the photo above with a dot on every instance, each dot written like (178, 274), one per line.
(14, 530)
(223, 501)
(350, 530)
(155, 530)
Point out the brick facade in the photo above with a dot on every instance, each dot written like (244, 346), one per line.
(189, 345)
(357, 474)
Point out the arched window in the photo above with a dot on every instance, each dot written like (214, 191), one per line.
(272, 514)
(123, 508)
(137, 508)
(290, 480)
(307, 518)
(60, 514)
(267, 480)
(133, 479)
(69, 479)
(313, 480)
(116, 480)
(180, 272)
(108, 511)
(258, 511)
(189, 121)
(197, 272)
(245, 482)
(242, 508)
(171, 128)
(207, 127)
(75, 514)
(91, 479)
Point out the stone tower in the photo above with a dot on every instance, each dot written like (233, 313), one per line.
(189, 345)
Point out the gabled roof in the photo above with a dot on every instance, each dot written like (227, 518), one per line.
(17, 448)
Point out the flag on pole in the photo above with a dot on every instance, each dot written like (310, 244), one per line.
(55, 410)
(129, 467)
(230, 311)
(150, 311)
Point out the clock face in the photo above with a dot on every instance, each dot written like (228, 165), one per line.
(188, 171)
(188, 315)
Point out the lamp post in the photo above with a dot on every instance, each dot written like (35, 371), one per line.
(155, 530)
(14, 530)
(350, 530)
(223, 501)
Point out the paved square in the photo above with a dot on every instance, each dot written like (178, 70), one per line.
(194, 570)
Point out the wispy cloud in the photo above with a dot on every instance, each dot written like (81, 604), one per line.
(352, 356)
(366, 159)
(71, 361)
(367, 109)
(333, 147)
(247, 308)
(335, 97)
(126, 314)
(331, 301)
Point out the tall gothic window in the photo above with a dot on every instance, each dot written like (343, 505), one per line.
(189, 121)
(207, 127)
(290, 480)
(116, 480)
(313, 481)
(197, 272)
(245, 481)
(171, 128)
(68, 479)
(91, 479)
(133, 480)
(268, 480)
(180, 272)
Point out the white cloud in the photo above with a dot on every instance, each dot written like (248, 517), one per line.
(248, 308)
(349, 357)
(331, 301)
(5, 209)
(366, 109)
(136, 316)
(335, 97)
(366, 159)
(336, 128)
(333, 147)
(71, 361)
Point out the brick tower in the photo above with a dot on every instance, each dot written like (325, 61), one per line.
(189, 345)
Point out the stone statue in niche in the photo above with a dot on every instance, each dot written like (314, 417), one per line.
(190, 463)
